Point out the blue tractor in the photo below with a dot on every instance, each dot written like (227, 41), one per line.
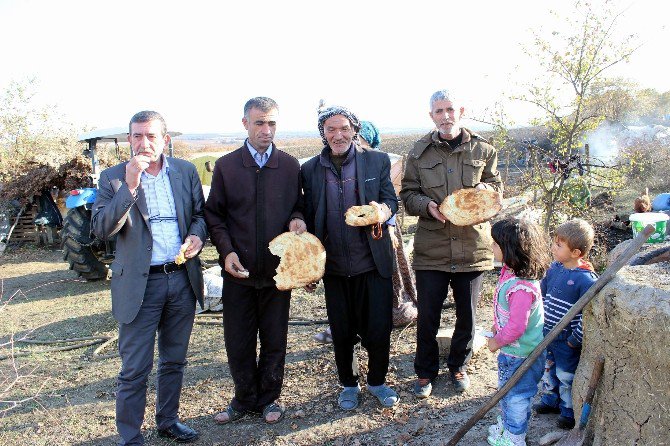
(87, 255)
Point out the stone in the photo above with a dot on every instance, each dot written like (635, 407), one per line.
(444, 340)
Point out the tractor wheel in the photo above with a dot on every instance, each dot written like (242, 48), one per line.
(78, 246)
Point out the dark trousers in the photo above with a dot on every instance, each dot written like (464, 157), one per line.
(168, 308)
(432, 287)
(360, 308)
(248, 314)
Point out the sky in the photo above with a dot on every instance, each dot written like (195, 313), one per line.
(197, 62)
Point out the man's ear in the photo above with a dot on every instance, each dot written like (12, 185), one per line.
(245, 123)
(461, 112)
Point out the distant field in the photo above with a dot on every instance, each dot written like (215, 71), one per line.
(298, 147)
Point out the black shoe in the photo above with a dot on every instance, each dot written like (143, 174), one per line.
(460, 380)
(543, 408)
(565, 422)
(179, 432)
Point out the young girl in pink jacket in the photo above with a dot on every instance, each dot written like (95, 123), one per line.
(518, 321)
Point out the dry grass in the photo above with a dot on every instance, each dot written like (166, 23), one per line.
(75, 393)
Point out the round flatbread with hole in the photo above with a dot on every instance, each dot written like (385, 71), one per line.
(467, 207)
(303, 259)
(365, 215)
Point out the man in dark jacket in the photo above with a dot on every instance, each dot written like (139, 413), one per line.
(359, 291)
(255, 196)
(445, 160)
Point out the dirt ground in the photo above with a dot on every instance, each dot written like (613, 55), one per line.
(74, 393)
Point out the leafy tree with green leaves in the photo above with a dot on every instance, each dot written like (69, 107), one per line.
(573, 61)
(38, 147)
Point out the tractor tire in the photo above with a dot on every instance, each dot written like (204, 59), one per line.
(78, 245)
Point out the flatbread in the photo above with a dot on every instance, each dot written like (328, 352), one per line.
(467, 207)
(303, 259)
(365, 215)
(181, 257)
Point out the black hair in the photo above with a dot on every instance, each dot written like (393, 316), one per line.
(147, 116)
(524, 247)
(262, 103)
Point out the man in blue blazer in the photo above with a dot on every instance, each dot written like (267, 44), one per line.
(359, 264)
(154, 206)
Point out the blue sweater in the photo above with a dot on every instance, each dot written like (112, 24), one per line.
(561, 288)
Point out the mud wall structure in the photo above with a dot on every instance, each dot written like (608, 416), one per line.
(629, 323)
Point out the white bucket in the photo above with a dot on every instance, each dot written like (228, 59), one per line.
(658, 219)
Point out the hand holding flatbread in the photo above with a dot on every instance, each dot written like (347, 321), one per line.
(180, 258)
(303, 259)
(368, 214)
(467, 207)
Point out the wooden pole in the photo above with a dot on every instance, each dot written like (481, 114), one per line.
(609, 273)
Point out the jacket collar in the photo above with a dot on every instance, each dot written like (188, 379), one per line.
(356, 152)
(249, 161)
(433, 138)
(324, 156)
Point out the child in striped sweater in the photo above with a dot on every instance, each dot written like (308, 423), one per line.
(568, 278)
(518, 322)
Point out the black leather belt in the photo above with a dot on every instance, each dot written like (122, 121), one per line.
(165, 268)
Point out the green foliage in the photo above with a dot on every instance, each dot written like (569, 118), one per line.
(38, 148)
(646, 165)
(29, 132)
(570, 91)
(623, 101)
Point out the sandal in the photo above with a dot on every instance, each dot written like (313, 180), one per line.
(273, 408)
(387, 396)
(348, 399)
(233, 415)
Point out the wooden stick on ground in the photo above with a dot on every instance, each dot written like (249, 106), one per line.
(609, 273)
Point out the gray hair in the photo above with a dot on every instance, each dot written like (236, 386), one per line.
(261, 103)
(147, 116)
(442, 95)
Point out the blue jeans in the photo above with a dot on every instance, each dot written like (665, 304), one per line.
(562, 361)
(515, 406)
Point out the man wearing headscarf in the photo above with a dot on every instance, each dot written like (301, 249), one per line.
(358, 287)
(404, 291)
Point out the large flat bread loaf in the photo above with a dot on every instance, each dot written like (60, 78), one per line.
(365, 215)
(467, 207)
(303, 259)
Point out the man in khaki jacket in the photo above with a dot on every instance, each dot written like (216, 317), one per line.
(445, 160)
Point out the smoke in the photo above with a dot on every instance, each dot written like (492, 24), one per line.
(609, 138)
(603, 142)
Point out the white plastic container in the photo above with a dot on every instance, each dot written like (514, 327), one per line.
(638, 222)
